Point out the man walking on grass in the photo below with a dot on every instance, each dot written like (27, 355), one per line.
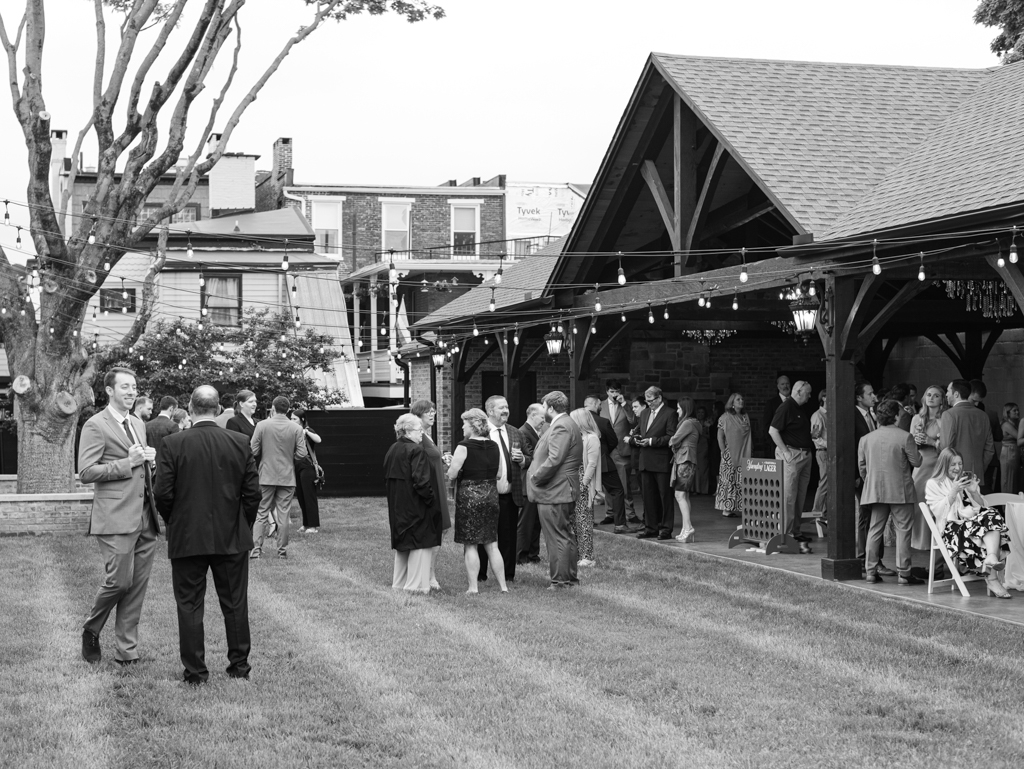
(114, 457)
(278, 443)
(208, 492)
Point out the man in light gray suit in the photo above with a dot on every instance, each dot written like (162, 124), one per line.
(966, 429)
(113, 455)
(615, 409)
(553, 482)
(277, 443)
(887, 457)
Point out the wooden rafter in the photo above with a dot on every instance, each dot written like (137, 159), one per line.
(623, 330)
(467, 373)
(524, 366)
(907, 291)
(850, 333)
(668, 215)
(707, 194)
(734, 216)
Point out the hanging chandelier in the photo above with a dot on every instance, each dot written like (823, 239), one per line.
(710, 336)
(989, 297)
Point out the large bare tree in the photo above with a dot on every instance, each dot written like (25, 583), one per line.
(52, 367)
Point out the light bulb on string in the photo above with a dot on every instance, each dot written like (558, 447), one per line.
(876, 266)
(623, 316)
(515, 335)
(92, 233)
(665, 314)
(920, 270)
(561, 328)
(284, 257)
(17, 242)
(476, 331)
(497, 275)
(188, 249)
(124, 291)
(622, 273)
(298, 322)
(202, 280)
(735, 301)
(1013, 246)
(743, 270)
(392, 272)
(650, 313)
(593, 324)
(707, 303)
(574, 329)
(7, 213)
(597, 298)
(1000, 262)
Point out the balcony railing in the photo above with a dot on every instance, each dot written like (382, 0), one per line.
(375, 366)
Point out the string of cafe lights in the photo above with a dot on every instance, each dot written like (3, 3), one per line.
(875, 262)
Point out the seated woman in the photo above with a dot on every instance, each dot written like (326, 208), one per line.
(973, 533)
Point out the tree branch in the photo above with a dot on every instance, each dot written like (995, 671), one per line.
(145, 310)
(11, 49)
(147, 63)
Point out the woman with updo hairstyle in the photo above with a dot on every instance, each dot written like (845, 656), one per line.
(245, 406)
(413, 511)
(181, 418)
(427, 412)
(475, 465)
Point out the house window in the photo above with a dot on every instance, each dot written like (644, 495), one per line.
(465, 232)
(112, 300)
(326, 220)
(395, 219)
(190, 213)
(222, 297)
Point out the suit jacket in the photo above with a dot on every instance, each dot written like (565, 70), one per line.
(530, 438)
(624, 421)
(657, 458)
(156, 430)
(120, 491)
(278, 443)
(240, 424)
(609, 441)
(515, 471)
(208, 491)
(887, 458)
(554, 474)
(966, 429)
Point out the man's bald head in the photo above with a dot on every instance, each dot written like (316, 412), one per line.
(205, 401)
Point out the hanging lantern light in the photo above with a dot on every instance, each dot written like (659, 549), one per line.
(805, 315)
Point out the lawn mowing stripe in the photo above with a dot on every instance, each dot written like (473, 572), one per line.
(76, 726)
(423, 731)
(618, 720)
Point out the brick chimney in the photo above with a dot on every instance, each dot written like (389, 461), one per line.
(281, 172)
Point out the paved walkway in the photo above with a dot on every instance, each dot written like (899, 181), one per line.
(712, 540)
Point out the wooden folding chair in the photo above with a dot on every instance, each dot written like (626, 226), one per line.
(957, 579)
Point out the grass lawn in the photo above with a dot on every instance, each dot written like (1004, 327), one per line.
(661, 658)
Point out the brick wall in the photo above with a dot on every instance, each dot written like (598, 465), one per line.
(23, 514)
(9, 485)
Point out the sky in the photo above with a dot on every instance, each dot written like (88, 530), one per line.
(532, 89)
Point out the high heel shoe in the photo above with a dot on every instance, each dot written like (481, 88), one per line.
(686, 536)
(994, 588)
(994, 565)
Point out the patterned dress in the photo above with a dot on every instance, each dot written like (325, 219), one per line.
(729, 497)
(958, 537)
(583, 521)
(476, 496)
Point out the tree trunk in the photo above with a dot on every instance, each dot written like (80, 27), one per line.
(47, 418)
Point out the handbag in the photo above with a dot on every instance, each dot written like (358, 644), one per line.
(320, 479)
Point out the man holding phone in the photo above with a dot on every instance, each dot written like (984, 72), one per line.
(657, 424)
(619, 413)
(113, 455)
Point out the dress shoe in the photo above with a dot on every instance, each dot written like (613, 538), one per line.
(665, 535)
(647, 535)
(235, 674)
(624, 530)
(90, 647)
(872, 579)
(910, 579)
(608, 520)
(127, 663)
(885, 571)
(635, 521)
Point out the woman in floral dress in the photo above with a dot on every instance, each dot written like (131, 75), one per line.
(734, 441)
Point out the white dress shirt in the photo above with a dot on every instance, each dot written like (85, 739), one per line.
(500, 435)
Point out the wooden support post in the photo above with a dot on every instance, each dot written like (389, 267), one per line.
(841, 562)
(457, 402)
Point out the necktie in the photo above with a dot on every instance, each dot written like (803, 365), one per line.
(128, 432)
(131, 442)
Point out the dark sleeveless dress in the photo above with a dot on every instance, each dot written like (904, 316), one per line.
(476, 497)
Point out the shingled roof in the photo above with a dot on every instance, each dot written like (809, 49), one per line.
(819, 136)
(528, 276)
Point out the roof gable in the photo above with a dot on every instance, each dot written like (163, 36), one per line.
(818, 136)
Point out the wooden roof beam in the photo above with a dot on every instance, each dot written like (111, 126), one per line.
(707, 194)
(907, 291)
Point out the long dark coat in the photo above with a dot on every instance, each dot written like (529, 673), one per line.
(414, 511)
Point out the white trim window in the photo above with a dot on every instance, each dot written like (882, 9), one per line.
(325, 218)
(464, 234)
(395, 225)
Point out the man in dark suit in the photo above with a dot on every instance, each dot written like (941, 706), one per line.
(657, 425)
(209, 493)
(619, 414)
(511, 460)
(615, 498)
(162, 425)
(528, 535)
(553, 482)
(863, 423)
(113, 455)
